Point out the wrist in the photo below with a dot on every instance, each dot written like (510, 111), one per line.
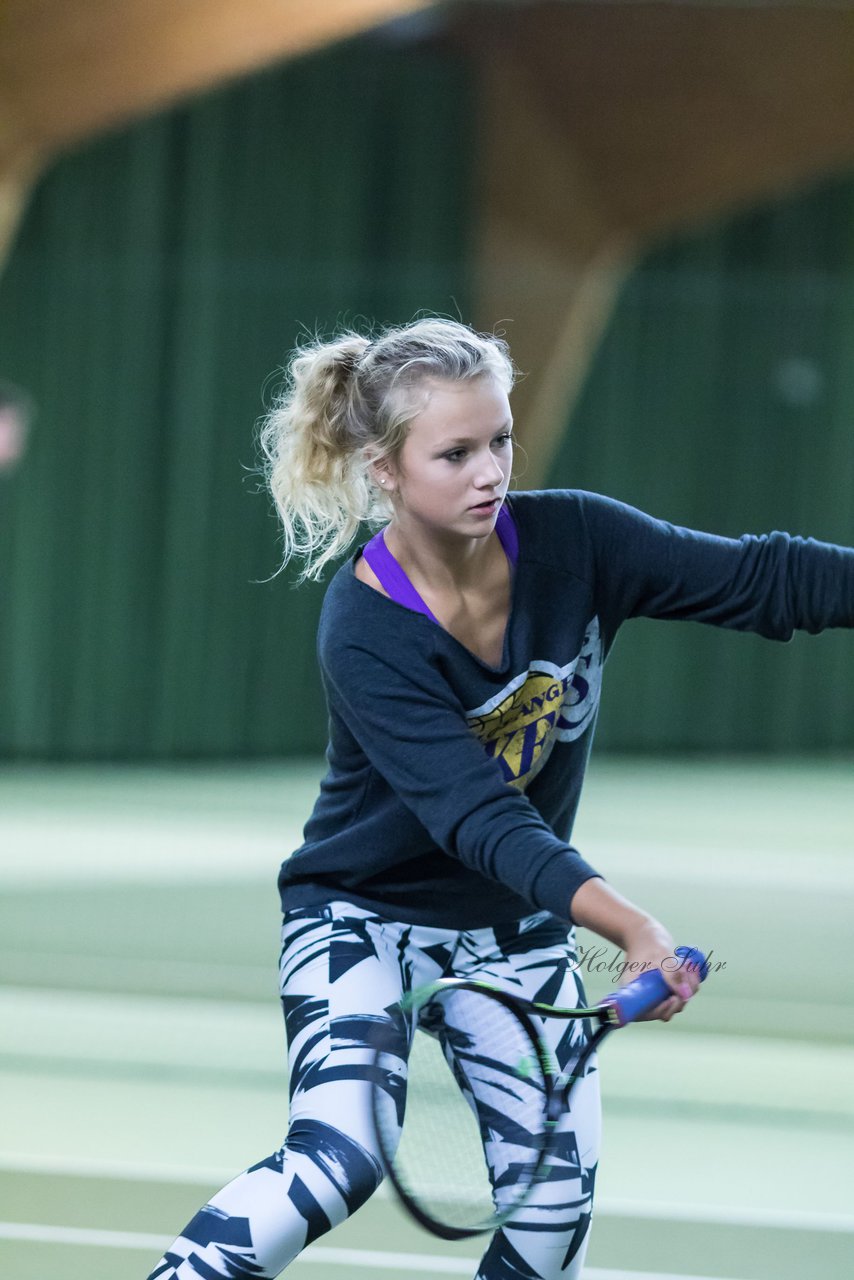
(645, 931)
(598, 907)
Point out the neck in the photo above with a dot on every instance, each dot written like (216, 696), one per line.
(439, 560)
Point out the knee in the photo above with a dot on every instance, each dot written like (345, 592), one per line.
(354, 1171)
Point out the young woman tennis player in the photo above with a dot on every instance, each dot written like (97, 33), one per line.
(461, 652)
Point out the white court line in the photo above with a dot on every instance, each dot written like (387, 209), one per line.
(725, 1215)
(38, 1233)
(606, 1206)
(376, 1260)
(80, 1167)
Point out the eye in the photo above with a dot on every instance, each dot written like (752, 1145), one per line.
(501, 442)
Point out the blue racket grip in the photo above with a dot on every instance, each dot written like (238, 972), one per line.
(636, 998)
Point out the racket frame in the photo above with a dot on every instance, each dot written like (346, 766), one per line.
(631, 1002)
(557, 1087)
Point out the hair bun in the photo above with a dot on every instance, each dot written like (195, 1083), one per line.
(349, 354)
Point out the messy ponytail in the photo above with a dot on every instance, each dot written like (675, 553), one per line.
(347, 405)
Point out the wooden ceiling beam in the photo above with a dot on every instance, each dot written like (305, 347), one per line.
(70, 68)
(604, 126)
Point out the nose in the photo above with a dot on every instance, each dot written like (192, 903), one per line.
(490, 472)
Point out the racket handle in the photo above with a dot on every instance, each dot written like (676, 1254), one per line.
(644, 993)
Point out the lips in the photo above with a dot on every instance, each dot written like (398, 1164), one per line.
(485, 506)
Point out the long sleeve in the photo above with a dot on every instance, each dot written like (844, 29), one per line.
(773, 584)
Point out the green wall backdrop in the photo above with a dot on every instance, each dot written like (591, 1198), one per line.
(161, 276)
(160, 279)
(723, 398)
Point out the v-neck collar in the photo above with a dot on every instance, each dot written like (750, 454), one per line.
(403, 593)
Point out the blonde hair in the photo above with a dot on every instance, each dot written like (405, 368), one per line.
(346, 406)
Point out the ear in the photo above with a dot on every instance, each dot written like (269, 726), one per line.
(381, 476)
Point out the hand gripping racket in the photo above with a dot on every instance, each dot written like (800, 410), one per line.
(481, 1094)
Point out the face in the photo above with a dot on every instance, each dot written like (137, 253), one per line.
(458, 454)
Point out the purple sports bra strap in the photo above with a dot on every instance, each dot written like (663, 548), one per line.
(505, 527)
(394, 581)
(392, 576)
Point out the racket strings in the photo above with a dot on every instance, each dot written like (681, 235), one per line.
(474, 1125)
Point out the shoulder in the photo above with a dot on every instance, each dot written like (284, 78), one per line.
(582, 533)
(363, 571)
(563, 511)
(544, 501)
(550, 521)
(358, 618)
(538, 505)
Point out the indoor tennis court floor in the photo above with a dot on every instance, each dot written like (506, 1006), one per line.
(142, 1052)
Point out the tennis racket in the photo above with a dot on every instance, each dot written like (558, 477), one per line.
(481, 1078)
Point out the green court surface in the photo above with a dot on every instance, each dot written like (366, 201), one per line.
(142, 1052)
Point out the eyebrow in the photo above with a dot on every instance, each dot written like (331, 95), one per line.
(473, 439)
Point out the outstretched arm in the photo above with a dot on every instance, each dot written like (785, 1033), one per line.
(772, 584)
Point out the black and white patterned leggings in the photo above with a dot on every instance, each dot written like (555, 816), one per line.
(341, 969)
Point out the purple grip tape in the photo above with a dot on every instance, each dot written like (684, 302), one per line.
(636, 998)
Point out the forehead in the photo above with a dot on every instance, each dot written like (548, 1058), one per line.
(472, 408)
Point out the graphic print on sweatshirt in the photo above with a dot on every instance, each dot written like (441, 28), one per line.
(541, 706)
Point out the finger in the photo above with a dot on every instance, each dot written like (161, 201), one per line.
(663, 1011)
(670, 1008)
(683, 983)
(688, 973)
